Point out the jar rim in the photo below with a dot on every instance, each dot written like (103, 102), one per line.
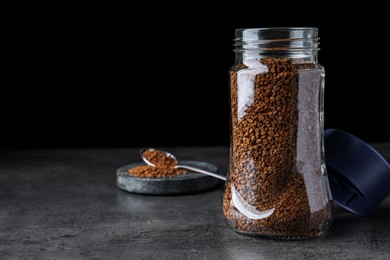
(277, 28)
(276, 38)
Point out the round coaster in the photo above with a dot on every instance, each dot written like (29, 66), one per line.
(181, 184)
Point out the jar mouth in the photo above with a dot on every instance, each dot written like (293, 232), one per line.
(291, 39)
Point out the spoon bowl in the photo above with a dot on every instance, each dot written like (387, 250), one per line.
(143, 150)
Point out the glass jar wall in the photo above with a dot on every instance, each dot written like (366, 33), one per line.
(277, 184)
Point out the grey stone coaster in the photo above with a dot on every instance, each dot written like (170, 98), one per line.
(181, 184)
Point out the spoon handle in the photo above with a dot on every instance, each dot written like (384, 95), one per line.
(201, 171)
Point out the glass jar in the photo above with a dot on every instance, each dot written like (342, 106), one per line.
(277, 185)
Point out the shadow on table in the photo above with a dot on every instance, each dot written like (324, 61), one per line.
(347, 225)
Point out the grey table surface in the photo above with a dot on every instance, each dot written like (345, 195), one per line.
(64, 204)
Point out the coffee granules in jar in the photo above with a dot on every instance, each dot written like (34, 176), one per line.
(277, 184)
(164, 166)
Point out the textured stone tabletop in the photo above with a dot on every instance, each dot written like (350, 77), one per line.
(64, 204)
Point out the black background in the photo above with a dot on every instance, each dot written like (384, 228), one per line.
(122, 76)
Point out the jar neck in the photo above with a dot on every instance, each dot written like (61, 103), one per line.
(247, 57)
(279, 42)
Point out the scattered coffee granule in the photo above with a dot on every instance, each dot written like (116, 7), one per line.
(276, 150)
(164, 166)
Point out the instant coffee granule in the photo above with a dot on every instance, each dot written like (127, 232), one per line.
(164, 166)
(269, 169)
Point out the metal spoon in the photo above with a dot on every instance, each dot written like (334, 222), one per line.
(142, 151)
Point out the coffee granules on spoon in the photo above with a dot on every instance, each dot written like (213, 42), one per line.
(164, 166)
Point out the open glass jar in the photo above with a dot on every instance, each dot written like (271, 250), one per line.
(277, 185)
